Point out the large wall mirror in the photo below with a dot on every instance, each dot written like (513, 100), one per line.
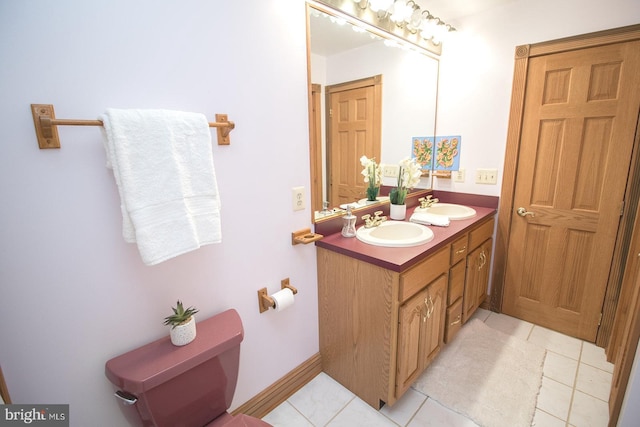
(407, 85)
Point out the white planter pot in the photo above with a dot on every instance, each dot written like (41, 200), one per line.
(398, 212)
(183, 334)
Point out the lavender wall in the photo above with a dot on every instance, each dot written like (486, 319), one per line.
(476, 72)
(73, 293)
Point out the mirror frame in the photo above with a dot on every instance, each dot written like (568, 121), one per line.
(315, 162)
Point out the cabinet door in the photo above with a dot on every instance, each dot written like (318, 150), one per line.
(420, 333)
(470, 299)
(436, 313)
(412, 315)
(483, 276)
(476, 279)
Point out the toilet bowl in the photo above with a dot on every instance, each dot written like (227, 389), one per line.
(161, 385)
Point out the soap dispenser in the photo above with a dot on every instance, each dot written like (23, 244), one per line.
(349, 226)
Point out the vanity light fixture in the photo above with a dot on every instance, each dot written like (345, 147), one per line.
(401, 18)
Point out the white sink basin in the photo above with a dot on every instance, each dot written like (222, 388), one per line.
(454, 212)
(395, 234)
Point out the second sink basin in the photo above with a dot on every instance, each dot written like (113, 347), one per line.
(454, 212)
(395, 234)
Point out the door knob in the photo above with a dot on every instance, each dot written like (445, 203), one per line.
(524, 212)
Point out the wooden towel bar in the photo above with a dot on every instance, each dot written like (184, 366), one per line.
(45, 122)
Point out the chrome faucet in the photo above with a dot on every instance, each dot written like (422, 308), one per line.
(427, 202)
(374, 221)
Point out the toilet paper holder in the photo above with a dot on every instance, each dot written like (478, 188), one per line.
(265, 302)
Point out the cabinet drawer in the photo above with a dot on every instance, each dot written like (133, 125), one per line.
(459, 249)
(456, 282)
(480, 234)
(424, 273)
(454, 320)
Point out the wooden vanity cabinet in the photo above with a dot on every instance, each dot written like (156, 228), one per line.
(379, 329)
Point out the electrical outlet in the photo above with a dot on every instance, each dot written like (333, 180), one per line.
(297, 198)
(486, 176)
(459, 175)
(390, 171)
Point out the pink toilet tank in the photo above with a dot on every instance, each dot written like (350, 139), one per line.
(160, 384)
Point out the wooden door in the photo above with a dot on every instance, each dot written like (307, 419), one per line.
(580, 113)
(354, 123)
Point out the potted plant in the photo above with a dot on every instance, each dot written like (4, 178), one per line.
(408, 177)
(183, 324)
(372, 176)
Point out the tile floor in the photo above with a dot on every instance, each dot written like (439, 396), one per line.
(574, 392)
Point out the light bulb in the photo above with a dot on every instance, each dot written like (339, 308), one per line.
(376, 5)
(427, 26)
(439, 32)
(415, 19)
(401, 11)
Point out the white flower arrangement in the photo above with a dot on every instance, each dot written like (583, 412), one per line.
(372, 175)
(408, 177)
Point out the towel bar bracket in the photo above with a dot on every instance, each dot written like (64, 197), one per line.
(46, 133)
(223, 132)
(46, 124)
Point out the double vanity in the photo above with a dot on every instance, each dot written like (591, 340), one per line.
(385, 312)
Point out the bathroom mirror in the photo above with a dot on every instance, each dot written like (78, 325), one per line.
(409, 81)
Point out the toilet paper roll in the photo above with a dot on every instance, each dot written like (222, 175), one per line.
(283, 299)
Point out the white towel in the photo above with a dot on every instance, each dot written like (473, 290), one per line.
(430, 219)
(163, 165)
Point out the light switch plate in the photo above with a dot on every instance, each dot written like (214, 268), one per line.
(390, 171)
(487, 176)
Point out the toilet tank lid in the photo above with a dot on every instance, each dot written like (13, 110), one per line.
(146, 367)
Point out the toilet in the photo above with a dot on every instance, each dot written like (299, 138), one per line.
(163, 385)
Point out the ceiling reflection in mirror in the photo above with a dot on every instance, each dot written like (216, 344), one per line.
(338, 54)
